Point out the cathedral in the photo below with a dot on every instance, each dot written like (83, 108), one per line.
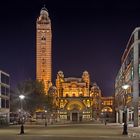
(75, 97)
(78, 100)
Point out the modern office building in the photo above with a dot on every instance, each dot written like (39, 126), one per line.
(78, 100)
(129, 74)
(4, 97)
(44, 48)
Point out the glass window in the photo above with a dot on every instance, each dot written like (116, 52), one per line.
(4, 79)
(7, 80)
(131, 41)
(7, 91)
(129, 58)
(2, 90)
(7, 103)
(3, 103)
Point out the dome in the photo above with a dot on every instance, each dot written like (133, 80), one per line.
(52, 90)
(60, 72)
(94, 86)
(44, 11)
(85, 72)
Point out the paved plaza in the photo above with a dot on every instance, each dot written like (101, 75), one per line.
(69, 132)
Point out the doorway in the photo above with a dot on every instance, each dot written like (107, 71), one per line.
(74, 117)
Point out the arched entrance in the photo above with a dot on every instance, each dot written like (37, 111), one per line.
(107, 114)
(75, 109)
(107, 109)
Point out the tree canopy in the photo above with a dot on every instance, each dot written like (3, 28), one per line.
(35, 97)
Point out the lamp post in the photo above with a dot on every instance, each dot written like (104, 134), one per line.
(21, 97)
(105, 115)
(125, 87)
(45, 118)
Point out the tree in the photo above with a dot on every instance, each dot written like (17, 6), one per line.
(23, 88)
(51, 98)
(35, 96)
(35, 99)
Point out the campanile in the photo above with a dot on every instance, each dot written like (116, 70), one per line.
(44, 48)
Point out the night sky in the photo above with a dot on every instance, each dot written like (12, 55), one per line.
(87, 35)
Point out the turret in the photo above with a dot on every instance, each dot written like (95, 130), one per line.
(86, 78)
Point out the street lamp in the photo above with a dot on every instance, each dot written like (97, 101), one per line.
(105, 115)
(21, 97)
(125, 87)
(45, 118)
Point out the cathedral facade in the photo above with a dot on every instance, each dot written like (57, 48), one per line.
(78, 101)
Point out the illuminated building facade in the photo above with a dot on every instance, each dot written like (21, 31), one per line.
(129, 74)
(107, 108)
(77, 100)
(44, 48)
(4, 97)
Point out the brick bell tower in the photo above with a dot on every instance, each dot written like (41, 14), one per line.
(44, 48)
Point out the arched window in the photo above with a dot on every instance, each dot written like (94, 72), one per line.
(73, 94)
(43, 38)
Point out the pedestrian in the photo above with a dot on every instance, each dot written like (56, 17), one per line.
(45, 124)
(22, 129)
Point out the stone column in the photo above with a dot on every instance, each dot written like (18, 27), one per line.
(121, 116)
(128, 115)
(117, 114)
